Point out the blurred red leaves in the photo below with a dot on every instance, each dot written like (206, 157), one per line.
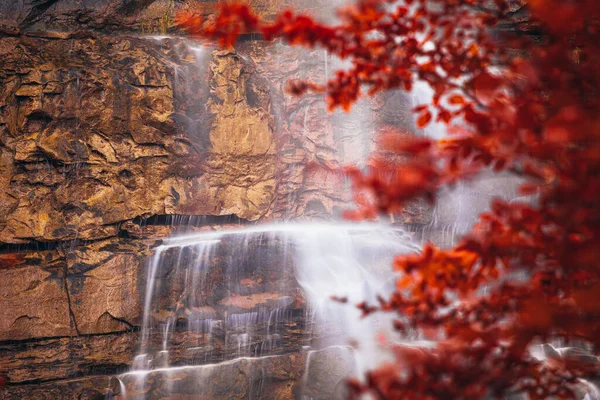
(530, 107)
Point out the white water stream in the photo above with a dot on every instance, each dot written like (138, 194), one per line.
(344, 260)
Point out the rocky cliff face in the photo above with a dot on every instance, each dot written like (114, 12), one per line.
(99, 130)
(94, 133)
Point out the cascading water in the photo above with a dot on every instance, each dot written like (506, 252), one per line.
(255, 293)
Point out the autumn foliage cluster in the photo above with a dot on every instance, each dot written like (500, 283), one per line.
(511, 103)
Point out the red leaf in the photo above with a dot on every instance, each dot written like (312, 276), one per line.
(444, 116)
(529, 189)
(403, 144)
(485, 85)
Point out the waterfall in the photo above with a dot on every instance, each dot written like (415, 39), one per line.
(252, 294)
(225, 311)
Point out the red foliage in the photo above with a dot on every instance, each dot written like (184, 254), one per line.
(538, 117)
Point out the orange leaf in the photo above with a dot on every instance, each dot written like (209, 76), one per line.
(404, 282)
(456, 100)
(424, 119)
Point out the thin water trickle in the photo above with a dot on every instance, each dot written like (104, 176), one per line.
(123, 389)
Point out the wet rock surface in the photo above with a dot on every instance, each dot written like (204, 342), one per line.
(313, 144)
(246, 307)
(100, 129)
(268, 378)
(107, 16)
(68, 292)
(94, 134)
(88, 388)
(274, 377)
(63, 358)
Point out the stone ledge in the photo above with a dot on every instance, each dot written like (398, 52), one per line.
(64, 358)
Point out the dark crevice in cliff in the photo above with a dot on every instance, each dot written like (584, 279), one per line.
(107, 370)
(130, 326)
(28, 247)
(71, 313)
(190, 220)
(47, 160)
(174, 220)
(37, 10)
(37, 245)
(6, 31)
(16, 342)
(248, 37)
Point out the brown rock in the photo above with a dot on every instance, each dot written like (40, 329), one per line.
(243, 150)
(252, 301)
(270, 378)
(53, 21)
(105, 295)
(64, 358)
(99, 133)
(94, 140)
(33, 299)
(88, 388)
(104, 281)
